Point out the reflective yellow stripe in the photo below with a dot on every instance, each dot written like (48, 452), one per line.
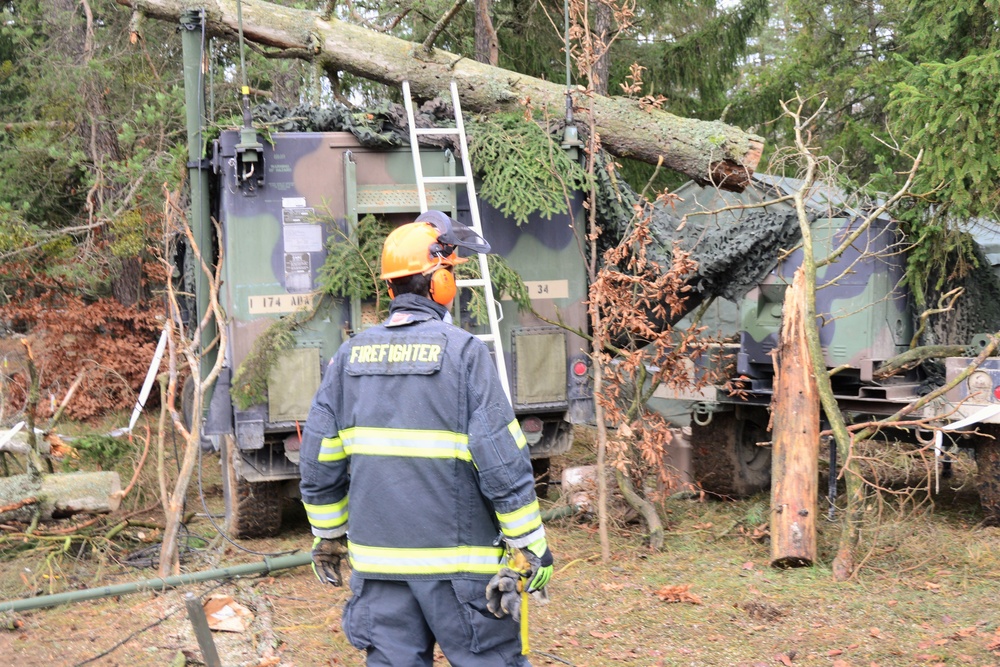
(405, 442)
(515, 430)
(522, 521)
(331, 449)
(446, 560)
(327, 516)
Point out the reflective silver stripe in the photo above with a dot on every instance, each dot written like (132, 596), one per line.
(331, 449)
(522, 520)
(521, 542)
(445, 560)
(327, 516)
(406, 442)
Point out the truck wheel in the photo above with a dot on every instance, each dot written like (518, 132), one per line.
(988, 474)
(726, 458)
(253, 509)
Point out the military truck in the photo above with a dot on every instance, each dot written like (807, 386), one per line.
(310, 190)
(867, 317)
(282, 199)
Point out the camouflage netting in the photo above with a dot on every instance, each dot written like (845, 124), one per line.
(731, 258)
(977, 310)
(381, 126)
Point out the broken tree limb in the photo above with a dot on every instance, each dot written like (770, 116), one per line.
(795, 453)
(70, 493)
(911, 358)
(643, 507)
(707, 151)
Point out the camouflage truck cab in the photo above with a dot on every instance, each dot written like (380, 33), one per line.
(310, 192)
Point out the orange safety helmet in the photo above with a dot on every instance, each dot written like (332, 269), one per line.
(429, 245)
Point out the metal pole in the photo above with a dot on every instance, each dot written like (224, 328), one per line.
(262, 567)
(267, 565)
(193, 48)
(201, 630)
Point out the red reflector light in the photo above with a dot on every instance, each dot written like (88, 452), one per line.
(531, 425)
(579, 368)
(996, 392)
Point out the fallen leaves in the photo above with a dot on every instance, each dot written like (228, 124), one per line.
(678, 593)
(226, 614)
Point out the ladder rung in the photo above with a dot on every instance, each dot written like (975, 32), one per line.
(486, 338)
(446, 179)
(470, 282)
(435, 131)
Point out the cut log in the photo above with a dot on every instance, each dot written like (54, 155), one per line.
(795, 455)
(707, 151)
(22, 496)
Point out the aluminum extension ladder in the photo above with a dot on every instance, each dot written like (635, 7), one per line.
(492, 338)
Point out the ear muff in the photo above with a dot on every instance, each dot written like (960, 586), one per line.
(443, 287)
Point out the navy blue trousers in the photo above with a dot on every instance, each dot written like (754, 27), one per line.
(397, 623)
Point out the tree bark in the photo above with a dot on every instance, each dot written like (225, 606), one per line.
(795, 453)
(602, 32)
(487, 44)
(706, 151)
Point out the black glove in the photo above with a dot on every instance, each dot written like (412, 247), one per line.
(502, 596)
(327, 554)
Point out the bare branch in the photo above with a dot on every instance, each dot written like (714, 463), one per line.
(428, 45)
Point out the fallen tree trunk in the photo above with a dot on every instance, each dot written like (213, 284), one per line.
(706, 151)
(23, 496)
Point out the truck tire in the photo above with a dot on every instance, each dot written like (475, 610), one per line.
(253, 509)
(988, 474)
(726, 458)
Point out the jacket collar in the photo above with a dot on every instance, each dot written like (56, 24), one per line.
(409, 308)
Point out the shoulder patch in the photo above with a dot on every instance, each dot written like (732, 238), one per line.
(399, 318)
(399, 354)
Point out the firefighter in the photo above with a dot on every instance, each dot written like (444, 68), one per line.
(412, 426)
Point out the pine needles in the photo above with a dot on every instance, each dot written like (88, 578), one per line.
(250, 380)
(523, 170)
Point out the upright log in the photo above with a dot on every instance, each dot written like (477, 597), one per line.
(795, 455)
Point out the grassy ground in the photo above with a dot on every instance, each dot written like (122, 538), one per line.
(926, 596)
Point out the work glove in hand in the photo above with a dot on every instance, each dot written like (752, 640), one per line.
(502, 596)
(540, 560)
(326, 556)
